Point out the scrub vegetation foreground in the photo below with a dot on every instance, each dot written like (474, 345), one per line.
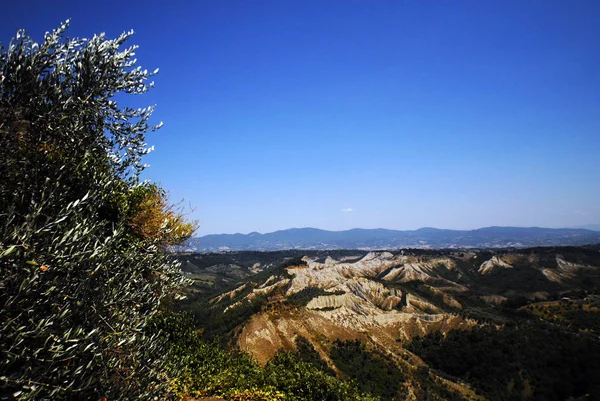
(85, 276)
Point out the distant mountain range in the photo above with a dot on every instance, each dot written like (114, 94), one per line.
(593, 227)
(369, 239)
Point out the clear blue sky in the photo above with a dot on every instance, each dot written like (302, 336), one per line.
(341, 114)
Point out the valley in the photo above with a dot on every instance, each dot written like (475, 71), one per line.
(422, 313)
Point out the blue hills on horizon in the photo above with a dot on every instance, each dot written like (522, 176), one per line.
(380, 238)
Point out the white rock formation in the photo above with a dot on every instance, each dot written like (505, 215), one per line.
(493, 263)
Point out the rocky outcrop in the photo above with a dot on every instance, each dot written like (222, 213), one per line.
(359, 305)
(267, 289)
(331, 302)
(389, 267)
(447, 299)
(416, 269)
(565, 270)
(268, 332)
(230, 294)
(495, 262)
(331, 272)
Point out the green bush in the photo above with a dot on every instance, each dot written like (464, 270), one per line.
(77, 285)
(526, 361)
(203, 369)
(374, 372)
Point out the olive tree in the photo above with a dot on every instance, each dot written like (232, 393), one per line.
(79, 279)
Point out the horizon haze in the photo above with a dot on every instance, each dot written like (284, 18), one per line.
(377, 239)
(590, 227)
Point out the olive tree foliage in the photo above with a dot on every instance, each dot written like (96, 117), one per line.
(77, 282)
